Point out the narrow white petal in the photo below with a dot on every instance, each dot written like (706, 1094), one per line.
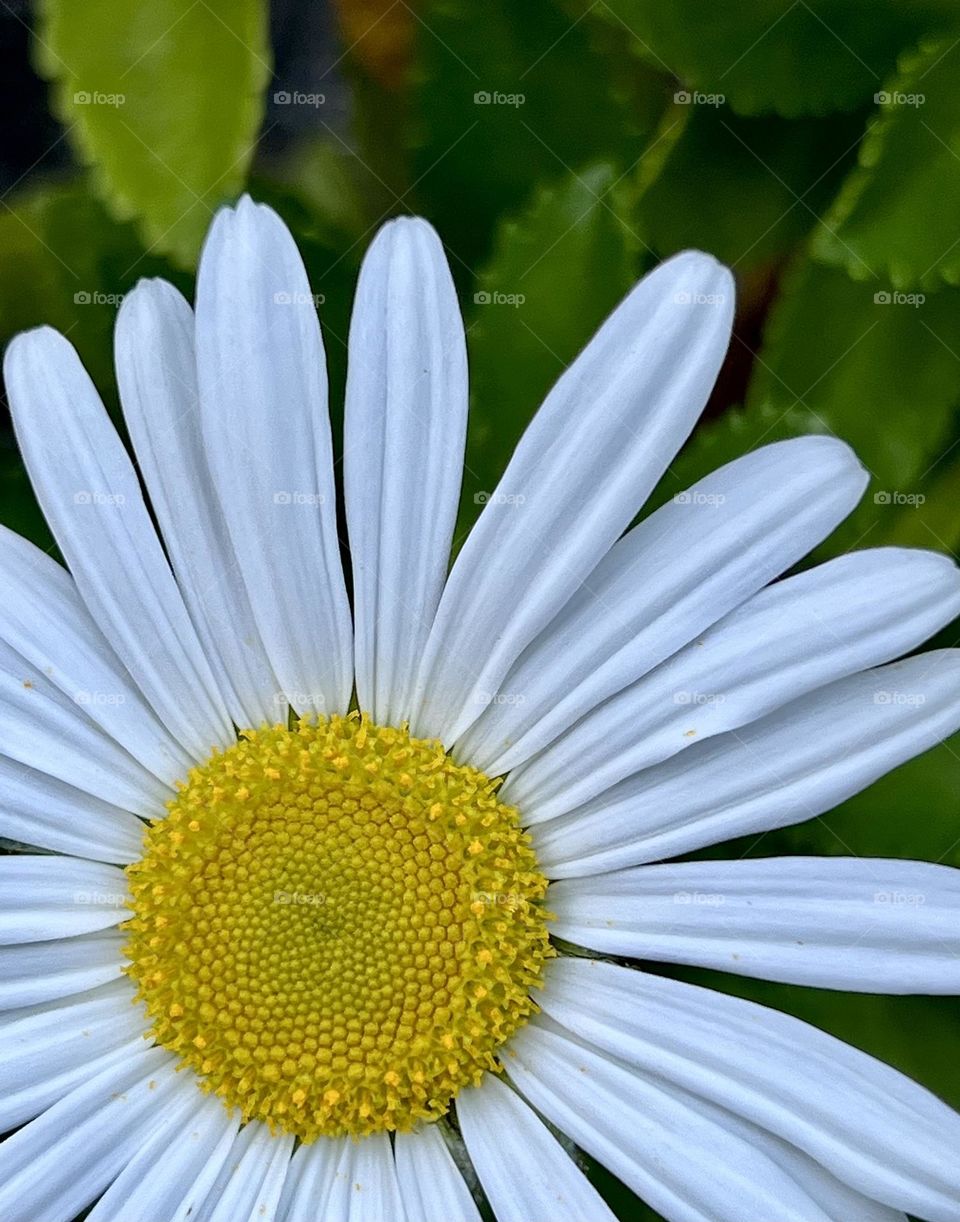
(57, 1164)
(36, 972)
(157, 377)
(309, 1181)
(171, 1173)
(364, 1186)
(665, 581)
(430, 1182)
(524, 1170)
(44, 620)
(796, 763)
(592, 454)
(250, 1182)
(406, 417)
(857, 611)
(855, 923)
(43, 897)
(90, 495)
(47, 1050)
(40, 810)
(663, 1143)
(263, 399)
(868, 1124)
(46, 730)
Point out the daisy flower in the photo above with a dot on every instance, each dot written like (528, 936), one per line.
(327, 899)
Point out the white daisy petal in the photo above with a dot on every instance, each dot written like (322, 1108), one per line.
(157, 377)
(171, 1174)
(663, 1143)
(46, 1051)
(859, 610)
(592, 454)
(854, 923)
(36, 972)
(90, 495)
(44, 620)
(404, 430)
(364, 1186)
(57, 1164)
(836, 1199)
(46, 730)
(868, 1124)
(310, 1180)
(524, 1170)
(665, 581)
(250, 1182)
(430, 1182)
(44, 897)
(40, 810)
(796, 763)
(263, 396)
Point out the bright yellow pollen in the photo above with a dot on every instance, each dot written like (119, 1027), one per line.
(337, 927)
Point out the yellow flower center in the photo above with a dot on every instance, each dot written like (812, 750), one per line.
(336, 926)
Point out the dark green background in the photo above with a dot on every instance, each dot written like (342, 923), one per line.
(813, 145)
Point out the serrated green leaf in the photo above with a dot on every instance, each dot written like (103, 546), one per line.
(786, 57)
(164, 100)
(556, 270)
(743, 189)
(884, 375)
(506, 96)
(896, 216)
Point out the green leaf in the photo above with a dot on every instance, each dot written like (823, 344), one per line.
(789, 57)
(164, 100)
(839, 358)
(66, 263)
(507, 95)
(557, 270)
(896, 216)
(744, 189)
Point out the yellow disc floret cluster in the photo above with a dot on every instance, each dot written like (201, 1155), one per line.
(336, 926)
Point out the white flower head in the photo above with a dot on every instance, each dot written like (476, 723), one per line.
(359, 859)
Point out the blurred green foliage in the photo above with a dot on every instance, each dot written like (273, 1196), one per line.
(562, 147)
